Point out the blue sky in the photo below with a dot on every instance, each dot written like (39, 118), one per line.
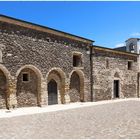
(107, 23)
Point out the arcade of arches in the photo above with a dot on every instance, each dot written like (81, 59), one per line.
(28, 88)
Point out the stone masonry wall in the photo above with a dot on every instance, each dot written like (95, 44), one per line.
(23, 46)
(46, 52)
(117, 69)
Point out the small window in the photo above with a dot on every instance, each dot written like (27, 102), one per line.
(130, 64)
(77, 62)
(107, 63)
(25, 77)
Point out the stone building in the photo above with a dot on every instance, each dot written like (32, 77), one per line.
(115, 74)
(42, 66)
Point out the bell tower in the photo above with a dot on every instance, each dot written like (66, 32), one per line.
(133, 45)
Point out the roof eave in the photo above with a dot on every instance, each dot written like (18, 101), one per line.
(54, 31)
(117, 51)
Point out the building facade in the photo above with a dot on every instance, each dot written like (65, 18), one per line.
(42, 66)
(115, 74)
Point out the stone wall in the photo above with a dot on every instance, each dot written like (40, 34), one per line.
(48, 56)
(22, 46)
(109, 66)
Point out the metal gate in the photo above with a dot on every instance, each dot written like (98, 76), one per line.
(52, 93)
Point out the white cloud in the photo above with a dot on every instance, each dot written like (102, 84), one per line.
(135, 34)
(120, 45)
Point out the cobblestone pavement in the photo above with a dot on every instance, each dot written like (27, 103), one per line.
(114, 120)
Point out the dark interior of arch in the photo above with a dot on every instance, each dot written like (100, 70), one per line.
(52, 92)
(3, 88)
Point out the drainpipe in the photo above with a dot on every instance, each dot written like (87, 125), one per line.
(91, 72)
(138, 76)
(138, 84)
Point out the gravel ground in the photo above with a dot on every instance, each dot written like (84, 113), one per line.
(114, 120)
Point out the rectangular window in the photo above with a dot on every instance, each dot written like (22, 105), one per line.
(25, 77)
(77, 62)
(130, 65)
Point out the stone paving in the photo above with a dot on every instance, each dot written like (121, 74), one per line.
(114, 120)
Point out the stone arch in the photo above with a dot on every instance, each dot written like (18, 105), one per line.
(76, 86)
(5, 78)
(116, 75)
(29, 92)
(59, 77)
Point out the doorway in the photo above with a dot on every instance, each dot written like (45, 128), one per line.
(116, 88)
(52, 93)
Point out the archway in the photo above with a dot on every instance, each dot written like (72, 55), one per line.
(3, 90)
(56, 86)
(28, 86)
(5, 78)
(52, 92)
(76, 86)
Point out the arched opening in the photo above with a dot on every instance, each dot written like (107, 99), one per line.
(52, 93)
(28, 87)
(56, 86)
(116, 75)
(3, 90)
(76, 87)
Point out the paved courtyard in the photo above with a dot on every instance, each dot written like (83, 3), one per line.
(107, 120)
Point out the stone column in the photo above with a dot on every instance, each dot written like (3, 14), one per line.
(86, 96)
(66, 95)
(12, 100)
(59, 96)
(44, 93)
